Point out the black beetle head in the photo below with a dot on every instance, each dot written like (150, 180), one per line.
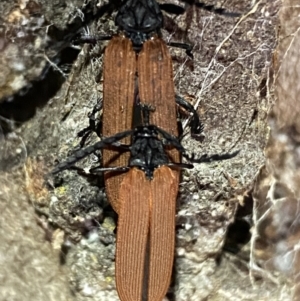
(139, 19)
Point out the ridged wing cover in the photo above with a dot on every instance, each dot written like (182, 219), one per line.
(146, 234)
(132, 235)
(156, 86)
(118, 99)
(164, 189)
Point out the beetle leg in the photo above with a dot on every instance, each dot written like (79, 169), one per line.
(178, 10)
(94, 125)
(90, 39)
(207, 159)
(82, 153)
(180, 165)
(99, 169)
(187, 47)
(170, 140)
(218, 11)
(195, 122)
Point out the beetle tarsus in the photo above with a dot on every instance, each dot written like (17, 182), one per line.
(187, 47)
(195, 122)
(94, 124)
(99, 169)
(90, 39)
(207, 159)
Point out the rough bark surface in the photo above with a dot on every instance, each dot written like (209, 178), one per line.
(30, 264)
(276, 194)
(231, 84)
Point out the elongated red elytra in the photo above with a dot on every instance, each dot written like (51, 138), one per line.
(156, 87)
(146, 207)
(118, 101)
(145, 237)
(164, 188)
(146, 230)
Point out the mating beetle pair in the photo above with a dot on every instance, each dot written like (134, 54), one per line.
(141, 161)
